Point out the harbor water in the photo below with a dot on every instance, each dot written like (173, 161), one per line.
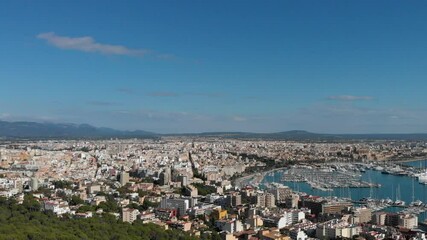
(392, 186)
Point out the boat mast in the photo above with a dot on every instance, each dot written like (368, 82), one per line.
(413, 191)
(398, 193)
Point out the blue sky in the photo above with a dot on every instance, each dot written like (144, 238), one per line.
(194, 66)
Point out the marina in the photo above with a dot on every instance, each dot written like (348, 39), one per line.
(387, 192)
(326, 178)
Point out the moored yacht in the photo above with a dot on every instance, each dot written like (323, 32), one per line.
(399, 203)
(416, 203)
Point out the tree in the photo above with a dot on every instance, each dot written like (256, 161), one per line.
(86, 208)
(204, 189)
(30, 203)
(148, 204)
(76, 200)
(109, 206)
(20, 222)
(62, 184)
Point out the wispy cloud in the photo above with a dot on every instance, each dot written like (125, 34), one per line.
(163, 94)
(207, 94)
(130, 91)
(239, 119)
(126, 91)
(350, 118)
(29, 118)
(88, 44)
(168, 94)
(101, 103)
(165, 56)
(185, 94)
(350, 98)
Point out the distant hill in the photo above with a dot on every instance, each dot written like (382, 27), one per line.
(62, 130)
(300, 135)
(289, 135)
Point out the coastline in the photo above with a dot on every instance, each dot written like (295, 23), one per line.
(414, 159)
(239, 181)
(242, 179)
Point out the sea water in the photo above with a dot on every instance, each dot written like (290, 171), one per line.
(391, 185)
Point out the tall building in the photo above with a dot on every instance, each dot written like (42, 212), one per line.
(292, 201)
(285, 219)
(337, 228)
(191, 191)
(184, 180)
(379, 218)
(266, 200)
(318, 206)
(392, 219)
(409, 221)
(280, 192)
(362, 215)
(181, 205)
(19, 185)
(260, 200)
(124, 178)
(270, 200)
(234, 199)
(335, 207)
(129, 214)
(165, 177)
(255, 222)
(34, 184)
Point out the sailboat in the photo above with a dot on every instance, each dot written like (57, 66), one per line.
(388, 200)
(371, 191)
(348, 194)
(418, 202)
(422, 177)
(398, 201)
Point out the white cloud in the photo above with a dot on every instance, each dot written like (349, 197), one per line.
(88, 44)
(350, 98)
(348, 118)
(163, 94)
(5, 116)
(239, 119)
(36, 118)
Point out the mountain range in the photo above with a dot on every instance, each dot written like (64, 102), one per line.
(66, 130)
(62, 130)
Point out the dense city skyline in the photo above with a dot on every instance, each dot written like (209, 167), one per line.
(191, 66)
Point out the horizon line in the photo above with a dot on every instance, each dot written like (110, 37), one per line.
(218, 131)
